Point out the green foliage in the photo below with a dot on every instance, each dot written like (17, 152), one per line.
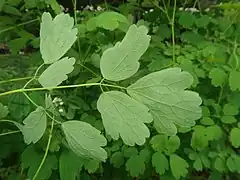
(121, 61)
(57, 71)
(169, 108)
(85, 140)
(120, 114)
(34, 125)
(59, 32)
(106, 95)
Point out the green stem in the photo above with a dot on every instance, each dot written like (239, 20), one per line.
(220, 95)
(8, 133)
(21, 24)
(34, 77)
(46, 152)
(160, 8)
(173, 31)
(58, 87)
(15, 79)
(8, 121)
(75, 20)
(30, 99)
(38, 106)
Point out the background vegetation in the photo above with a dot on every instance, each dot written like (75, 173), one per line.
(201, 37)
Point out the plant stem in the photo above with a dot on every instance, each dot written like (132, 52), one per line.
(46, 152)
(75, 20)
(38, 106)
(173, 32)
(34, 77)
(220, 95)
(21, 24)
(8, 121)
(8, 133)
(30, 99)
(15, 79)
(58, 87)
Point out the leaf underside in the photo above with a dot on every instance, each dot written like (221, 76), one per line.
(125, 117)
(164, 93)
(121, 61)
(56, 36)
(56, 73)
(85, 140)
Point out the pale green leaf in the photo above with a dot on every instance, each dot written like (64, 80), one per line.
(160, 162)
(125, 117)
(34, 125)
(70, 165)
(85, 140)
(165, 95)
(234, 137)
(108, 20)
(56, 36)
(179, 166)
(56, 73)
(121, 61)
(135, 165)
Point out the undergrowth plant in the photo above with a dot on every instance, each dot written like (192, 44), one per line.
(109, 99)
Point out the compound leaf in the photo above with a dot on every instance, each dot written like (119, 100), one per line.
(160, 162)
(234, 137)
(135, 165)
(121, 61)
(85, 140)
(179, 166)
(165, 95)
(56, 73)
(34, 125)
(70, 165)
(56, 36)
(124, 116)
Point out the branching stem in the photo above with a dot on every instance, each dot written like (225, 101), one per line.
(59, 87)
(46, 151)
